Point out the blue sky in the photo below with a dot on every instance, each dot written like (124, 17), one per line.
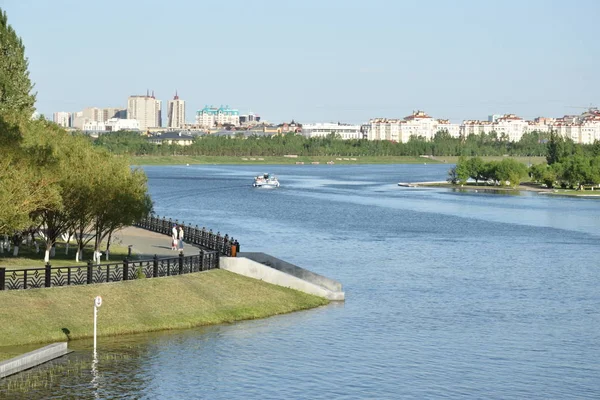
(316, 60)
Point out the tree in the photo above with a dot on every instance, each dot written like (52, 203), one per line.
(124, 200)
(27, 181)
(460, 173)
(475, 168)
(510, 170)
(15, 86)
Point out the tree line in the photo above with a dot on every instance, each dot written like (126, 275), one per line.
(54, 184)
(442, 144)
(568, 165)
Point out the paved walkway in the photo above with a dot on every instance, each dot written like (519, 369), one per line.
(145, 244)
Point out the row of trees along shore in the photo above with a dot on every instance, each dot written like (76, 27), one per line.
(52, 183)
(531, 144)
(568, 165)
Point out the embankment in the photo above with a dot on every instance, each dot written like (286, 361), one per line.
(186, 301)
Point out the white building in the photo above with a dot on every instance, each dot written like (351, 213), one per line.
(208, 117)
(417, 124)
(94, 126)
(584, 128)
(323, 129)
(507, 125)
(146, 109)
(95, 114)
(176, 113)
(62, 118)
(119, 124)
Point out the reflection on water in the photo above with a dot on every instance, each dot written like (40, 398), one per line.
(449, 294)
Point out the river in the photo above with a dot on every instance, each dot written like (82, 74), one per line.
(448, 295)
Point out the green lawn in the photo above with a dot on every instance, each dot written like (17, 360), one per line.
(143, 305)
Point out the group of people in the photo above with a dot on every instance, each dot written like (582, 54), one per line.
(177, 238)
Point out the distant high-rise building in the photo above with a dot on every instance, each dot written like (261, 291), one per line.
(62, 118)
(146, 109)
(176, 112)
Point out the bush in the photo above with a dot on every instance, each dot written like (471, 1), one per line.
(139, 273)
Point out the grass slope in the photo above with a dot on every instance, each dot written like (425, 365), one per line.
(144, 305)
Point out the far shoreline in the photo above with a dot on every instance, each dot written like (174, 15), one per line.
(308, 160)
(524, 187)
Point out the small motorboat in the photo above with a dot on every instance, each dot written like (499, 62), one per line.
(266, 181)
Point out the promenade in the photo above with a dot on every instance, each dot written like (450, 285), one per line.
(145, 244)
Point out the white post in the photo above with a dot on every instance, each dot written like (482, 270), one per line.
(97, 303)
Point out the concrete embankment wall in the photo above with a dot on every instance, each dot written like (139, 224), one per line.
(278, 272)
(32, 359)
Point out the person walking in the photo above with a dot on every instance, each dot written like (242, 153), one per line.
(180, 237)
(174, 238)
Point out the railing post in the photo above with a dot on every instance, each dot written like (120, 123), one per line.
(201, 260)
(125, 269)
(47, 277)
(181, 263)
(2, 278)
(90, 267)
(155, 266)
(218, 260)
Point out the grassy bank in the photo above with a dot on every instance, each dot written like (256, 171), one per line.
(252, 160)
(144, 305)
(524, 186)
(524, 160)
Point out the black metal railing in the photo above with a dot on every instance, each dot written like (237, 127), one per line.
(48, 276)
(193, 235)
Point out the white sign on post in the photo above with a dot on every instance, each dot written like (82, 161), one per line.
(97, 303)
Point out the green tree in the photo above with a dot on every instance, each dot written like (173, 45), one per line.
(475, 167)
(15, 86)
(510, 170)
(124, 199)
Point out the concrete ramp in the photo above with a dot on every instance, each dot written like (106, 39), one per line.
(278, 272)
(33, 359)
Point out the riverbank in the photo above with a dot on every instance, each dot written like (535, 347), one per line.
(276, 160)
(525, 186)
(481, 187)
(143, 305)
(306, 160)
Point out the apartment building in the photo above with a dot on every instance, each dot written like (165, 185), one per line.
(176, 113)
(146, 110)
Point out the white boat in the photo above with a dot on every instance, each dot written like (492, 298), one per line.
(266, 181)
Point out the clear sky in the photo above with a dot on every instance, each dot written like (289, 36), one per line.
(316, 60)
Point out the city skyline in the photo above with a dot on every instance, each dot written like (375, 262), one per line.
(319, 61)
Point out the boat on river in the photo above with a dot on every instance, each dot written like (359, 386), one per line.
(266, 181)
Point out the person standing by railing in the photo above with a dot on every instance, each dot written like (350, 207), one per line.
(180, 237)
(174, 234)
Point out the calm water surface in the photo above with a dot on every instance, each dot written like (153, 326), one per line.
(448, 295)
